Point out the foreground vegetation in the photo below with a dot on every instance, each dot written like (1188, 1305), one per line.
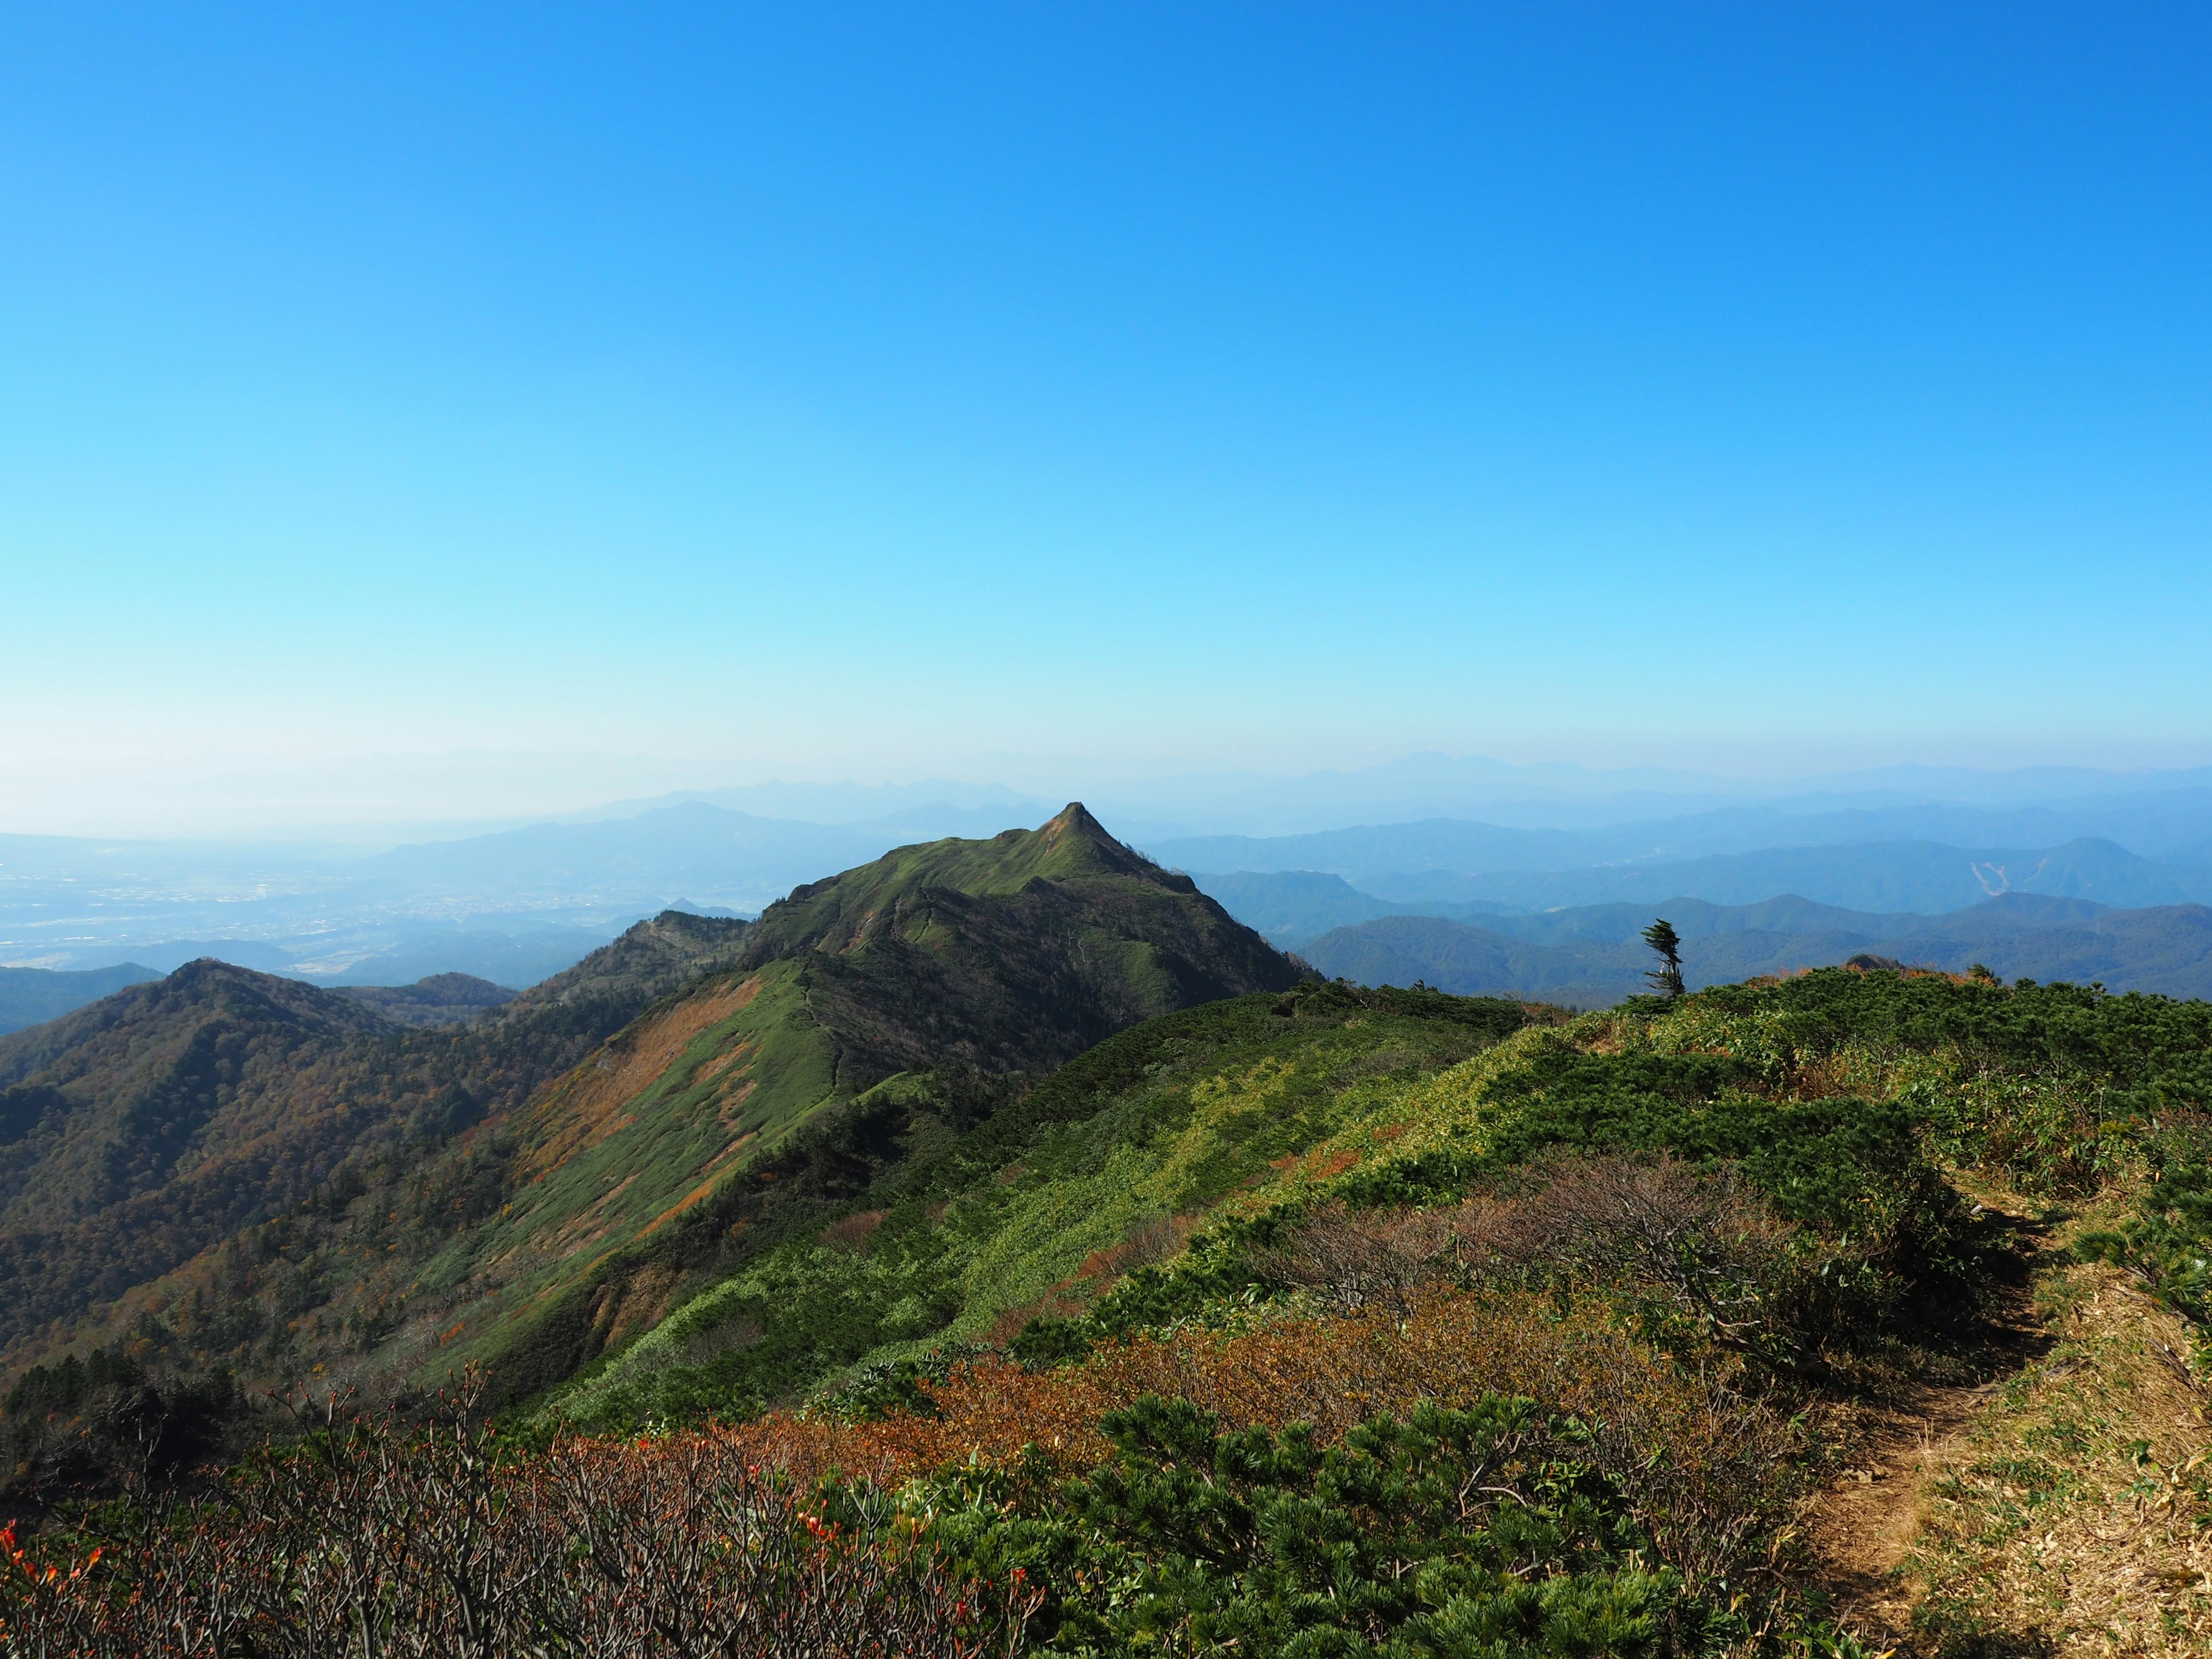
(1319, 1323)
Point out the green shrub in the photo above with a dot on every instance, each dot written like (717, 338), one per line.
(1448, 1533)
(2167, 1244)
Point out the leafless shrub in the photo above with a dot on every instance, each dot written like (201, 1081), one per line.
(1696, 1248)
(369, 1542)
(854, 1231)
(1152, 1240)
(1705, 1246)
(1352, 1261)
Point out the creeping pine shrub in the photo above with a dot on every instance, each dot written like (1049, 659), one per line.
(1882, 1244)
(891, 1386)
(1473, 1531)
(2167, 1244)
(2052, 1129)
(1906, 1252)
(1704, 1471)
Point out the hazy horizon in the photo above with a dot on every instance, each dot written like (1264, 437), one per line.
(431, 419)
(1422, 785)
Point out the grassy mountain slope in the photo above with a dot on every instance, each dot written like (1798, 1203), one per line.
(1723, 1240)
(1101, 1169)
(1849, 1313)
(973, 959)
(522, 1192)
(31, 996)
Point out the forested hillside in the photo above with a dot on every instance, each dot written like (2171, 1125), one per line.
(150, 1126)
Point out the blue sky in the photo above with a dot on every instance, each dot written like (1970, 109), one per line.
(881, 392)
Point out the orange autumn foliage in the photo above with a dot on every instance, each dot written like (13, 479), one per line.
(1697, 1459)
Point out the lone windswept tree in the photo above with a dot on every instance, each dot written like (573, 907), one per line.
(1667, 978)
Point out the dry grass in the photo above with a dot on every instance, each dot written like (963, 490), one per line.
(2076, 1520)
(2065, 1509)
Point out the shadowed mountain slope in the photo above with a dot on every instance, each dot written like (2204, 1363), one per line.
(434, 1000)
(140, 1131)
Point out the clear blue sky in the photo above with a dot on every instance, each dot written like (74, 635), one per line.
(884, 391)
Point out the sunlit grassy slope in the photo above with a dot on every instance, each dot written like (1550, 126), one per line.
(1102, 1167)
(1840, 1095)
(973, 959)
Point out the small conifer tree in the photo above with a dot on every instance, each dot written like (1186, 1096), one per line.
(1667, 978)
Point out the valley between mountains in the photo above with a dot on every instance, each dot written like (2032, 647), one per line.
(1030, 1257)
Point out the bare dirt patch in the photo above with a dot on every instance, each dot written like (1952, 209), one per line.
(1863, 1527)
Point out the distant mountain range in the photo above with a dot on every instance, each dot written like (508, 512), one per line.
(31, 996)
(1591, 956)
(2173, 827)
(1929, 877)
(518, 905)
(512, 907)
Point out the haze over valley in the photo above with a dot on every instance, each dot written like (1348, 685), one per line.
(1936, 881)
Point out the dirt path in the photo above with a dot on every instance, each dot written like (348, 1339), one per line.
(1863, 1527)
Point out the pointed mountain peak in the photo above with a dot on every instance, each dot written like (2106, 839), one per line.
(1072, 845)
(1073, 842)
(1074, 820)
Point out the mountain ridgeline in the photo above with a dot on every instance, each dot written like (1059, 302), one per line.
(234, 1170)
